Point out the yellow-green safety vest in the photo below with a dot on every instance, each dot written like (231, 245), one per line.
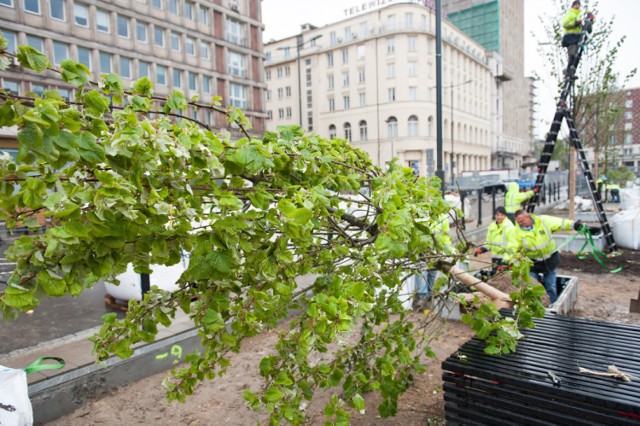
(537, 243)
(498, 237)
(513, 198)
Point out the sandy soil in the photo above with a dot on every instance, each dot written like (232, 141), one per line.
(602, 296)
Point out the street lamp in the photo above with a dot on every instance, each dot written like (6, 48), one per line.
(299, 44)
(451, 87)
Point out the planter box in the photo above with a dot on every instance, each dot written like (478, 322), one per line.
(578, 242)
(567, 288)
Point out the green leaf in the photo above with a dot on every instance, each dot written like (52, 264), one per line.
(94, 103)
(75, 73)
(212, 321)
(30, 58)
(273, 394)
(143, 87)
(89, 150)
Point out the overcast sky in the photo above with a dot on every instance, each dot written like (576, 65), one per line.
(282, 18)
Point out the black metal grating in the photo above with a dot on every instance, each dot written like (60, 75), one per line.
(518, 388)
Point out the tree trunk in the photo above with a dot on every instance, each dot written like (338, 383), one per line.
(500, 299)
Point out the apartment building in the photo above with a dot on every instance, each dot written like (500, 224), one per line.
(201, 47)
(371, 79)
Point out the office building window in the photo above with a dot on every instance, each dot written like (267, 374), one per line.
(84, 56)
(142, 32)
(391, 94)
(192, 81)
(65, 93)
(361, 75)
(60, 52)
(408, 20)
(12, 87)
(12, 44)
(347, 131)
(161, 75)
(412, 69)
(391, 22)
(238, 95)
(412, 44)
(143, 69)
(345, 78)
(81, 15)
(281, 113)
(332, 104)
(430, 127)
(287, 91)
(362, 99)
(32, 6)
(123, 26)
(269, 115)
(204, 50)
(35, 42)
(345, 56)
(188, 10)
(177, 78)
(38, 89)
(392, 127)
(235, 32)
(391, 45)
(206, 84)
(280, 93)
(190, 46)
(267, 75)
(363, 130)
(391, 70)
(173, 6)
(269, 95)
(237, 64)
(360, 50)
(157, 4)
(158, 36)
(333, 38)
(413, 93)
(8, 3)
(57, 10)
(175, 41)
(287, 70)
(125, 67)
(346, 101)
(330, 81)
(332, 131)
(329, 60)
(102, 21)
(412, 126)
(105, 62)
(203, 15)
(289, 113)
(628, 103)
(279, 72)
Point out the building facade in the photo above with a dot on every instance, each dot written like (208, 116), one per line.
(623, 147)
(201, 47)
(371, 79)
(498, 25)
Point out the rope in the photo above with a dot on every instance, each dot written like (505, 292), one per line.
(595, 252)
(612, 371)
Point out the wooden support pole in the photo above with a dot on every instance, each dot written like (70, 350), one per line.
(500, 299)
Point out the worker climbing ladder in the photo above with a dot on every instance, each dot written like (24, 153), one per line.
(563, 112)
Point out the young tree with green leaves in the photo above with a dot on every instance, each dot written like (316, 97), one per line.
(120, 187)
(594, 100)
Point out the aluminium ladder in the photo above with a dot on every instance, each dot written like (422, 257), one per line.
(563, 112)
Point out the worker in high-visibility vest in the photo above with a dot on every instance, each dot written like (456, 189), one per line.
(533, 236)
(513, 200)
(497, 237)
(601, 187)
(614, 189)
(425, 280)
